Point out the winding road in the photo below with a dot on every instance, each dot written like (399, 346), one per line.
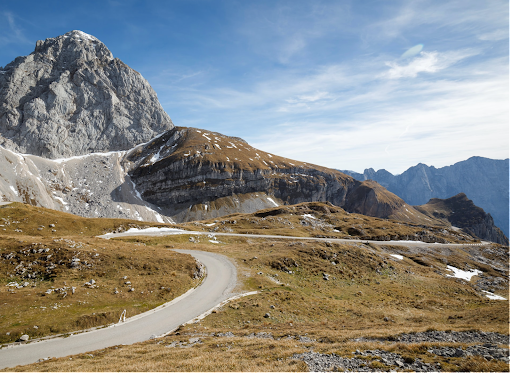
(171, 231)
(216, 287)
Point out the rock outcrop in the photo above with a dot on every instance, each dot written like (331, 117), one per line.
(196, 174)
(72, 97)
(461, 212)
(483, 180)
(90, 186)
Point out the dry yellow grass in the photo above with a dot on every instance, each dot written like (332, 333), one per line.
(209, 353)
(368, 294)
(45, 262)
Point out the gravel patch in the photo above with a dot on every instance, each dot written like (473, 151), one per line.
(446, 337)
(332, 362)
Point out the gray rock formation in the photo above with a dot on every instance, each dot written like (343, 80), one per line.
(483, 180)
(195, 174)
(461, 212)
(94, 185)
(72, 97)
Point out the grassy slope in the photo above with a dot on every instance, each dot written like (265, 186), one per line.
(326, 220)
(369, 293)
(42, 259)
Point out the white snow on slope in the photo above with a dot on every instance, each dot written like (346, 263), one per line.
(61, 160)
(462, 274)
(400, 257)
(14, 190)
(492, 296)
(166, 230)
(272, 201)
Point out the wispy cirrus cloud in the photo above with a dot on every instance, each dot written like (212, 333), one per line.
(11, 32)
(500, 34)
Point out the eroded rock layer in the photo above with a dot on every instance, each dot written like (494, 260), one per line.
(187, 170)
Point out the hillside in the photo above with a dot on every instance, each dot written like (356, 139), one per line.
(187, 174)
(56, 277)
(193, 174)
(325, 220)
(320, 305)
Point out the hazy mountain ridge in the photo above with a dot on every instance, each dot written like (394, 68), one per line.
(484, 181)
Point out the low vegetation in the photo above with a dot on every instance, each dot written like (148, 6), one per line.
(323, 297)
(52, 284)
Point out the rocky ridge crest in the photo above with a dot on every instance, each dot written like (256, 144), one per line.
(461, 212)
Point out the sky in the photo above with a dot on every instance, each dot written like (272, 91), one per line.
(346, 84)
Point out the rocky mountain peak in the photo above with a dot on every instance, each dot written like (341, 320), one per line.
(73, 47)
(72, 97)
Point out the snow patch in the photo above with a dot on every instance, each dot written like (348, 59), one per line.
(60, 199)
(103, 154)
(14, 190)
(272, 201)
(492, 296)
(462, 274)
(400, 257)
(167, 230)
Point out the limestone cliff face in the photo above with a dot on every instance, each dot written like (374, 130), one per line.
(461, 212)
(72, 97)
(189, 169)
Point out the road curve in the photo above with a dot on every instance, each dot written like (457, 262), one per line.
(217, 286)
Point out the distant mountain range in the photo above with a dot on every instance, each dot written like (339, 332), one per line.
(485, 181)
(82, 132)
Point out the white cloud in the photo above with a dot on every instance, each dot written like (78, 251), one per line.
(495, 35)
(435, 122)
(13, 33)
(427, 62)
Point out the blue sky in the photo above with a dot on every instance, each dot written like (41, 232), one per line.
(343, 84)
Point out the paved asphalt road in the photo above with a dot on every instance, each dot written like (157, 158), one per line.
(334, 240)
(219, 282)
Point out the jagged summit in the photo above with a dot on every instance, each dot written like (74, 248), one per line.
(71, 97)
(74, 47)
